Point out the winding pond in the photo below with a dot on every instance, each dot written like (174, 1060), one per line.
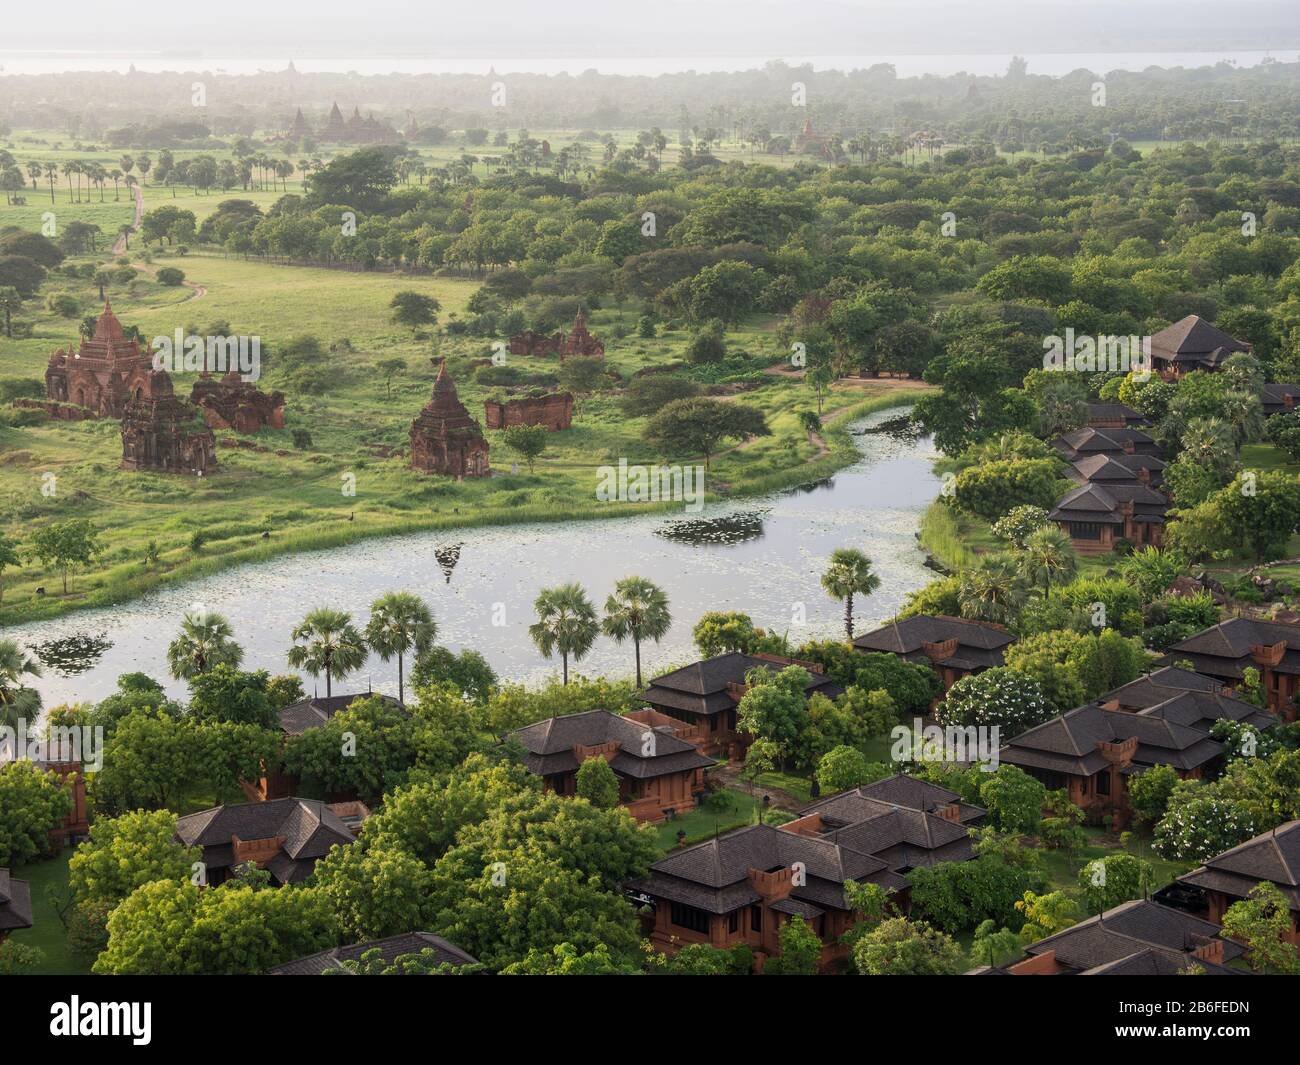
(763, 556)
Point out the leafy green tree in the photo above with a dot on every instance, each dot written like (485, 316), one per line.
(467, 672)
(957, 896)
(563, 959)
(400, 622)
(414, 309)
(390, 368)
(205, 641)
(1019, 522)
(566, 623)
(1013, 799)
(1149, 792)
(325, 641)
(801, 951)
(165, 928)
(1116, 878)
(848, 573)
(844, 767)
(526, 441)
(66, 545)
(32, 802)
(222, 693)
(124, 852)
(1045, 915)
(637, 610)
(992, 591)
(991, 489)
(283, 690)
(718, 632)
(597, 783)
(773, 709)
(899, 947)
(373, 891)
(1263, 923)
(18, 958)
(696, 426)
(993, 943)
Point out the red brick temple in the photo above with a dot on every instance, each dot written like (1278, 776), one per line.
(103, 373)
(555, 411)
(444, 438)
(230, 402)
(163, 433)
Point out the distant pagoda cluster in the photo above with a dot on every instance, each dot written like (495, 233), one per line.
(352, 130)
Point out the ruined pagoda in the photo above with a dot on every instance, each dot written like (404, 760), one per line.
(163, 433)
(444, 438)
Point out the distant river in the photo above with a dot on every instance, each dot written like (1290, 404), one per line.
(763, 556)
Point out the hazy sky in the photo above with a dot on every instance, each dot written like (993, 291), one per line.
(614, 28)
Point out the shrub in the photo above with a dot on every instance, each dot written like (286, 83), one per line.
(170, 276)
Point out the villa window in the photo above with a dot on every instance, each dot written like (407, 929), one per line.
(733, 921)
(1103, 782)
(756, 918)
(689, 917)
(1085, 530)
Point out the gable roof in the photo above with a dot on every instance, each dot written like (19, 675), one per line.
(897, 791)
(1093, 503)
(701, 687)
(1224, 650)
(310, 828)
(390, 949)
(1106, 467)
(297, 718)
(550, 745)
(15, 903)
(1275, 398)
(980, 644)
(1193, 339)
(1089, 440)
(1068, 743)
(1111, 412)
(1273, 855)
(1157, 686)
(1131, 928)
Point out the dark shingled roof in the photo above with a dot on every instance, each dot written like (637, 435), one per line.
(1093, 503)
(1275, 396)
(1157, 686)
(1129, 929)
(550, 744)
(310, 829)
(1224, 650)
(1079, 443)
(389, 949)
(1115, 411)
(701, 688)
(714, 875)
(872, 834)
(15, 903)
(1068, 743)
(1152, 962)
(979, 643)
(1194, 340)
(1108, 468)
(297, 718)
(1272, 855)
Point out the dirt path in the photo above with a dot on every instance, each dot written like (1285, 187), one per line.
(119, 245)
(196, 290)
(729, 776)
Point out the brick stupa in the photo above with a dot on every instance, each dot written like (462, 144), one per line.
(163, 433)
(104, 372)
(444, 438)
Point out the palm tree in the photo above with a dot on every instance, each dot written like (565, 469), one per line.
(205, 641)
(327, 642)
(848, 574)
(638, 609)
(400, 621)
(1048, 555)
(992, 591)
(566, 622)
(16, 702)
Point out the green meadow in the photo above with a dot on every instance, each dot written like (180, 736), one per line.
(268, 497)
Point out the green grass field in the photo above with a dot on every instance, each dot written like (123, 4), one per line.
(47, 932)
(297, 496)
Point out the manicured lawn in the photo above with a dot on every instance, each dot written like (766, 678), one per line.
(741, 809)
(47, 931)
(1063, 869)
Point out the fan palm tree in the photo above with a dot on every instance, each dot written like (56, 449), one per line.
(400, 621)
(16, 702)
(638, 609)
(204, 641)
(566, 622)
(1048, 555)
(848, 574)
(326, 641)
(992, 591)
